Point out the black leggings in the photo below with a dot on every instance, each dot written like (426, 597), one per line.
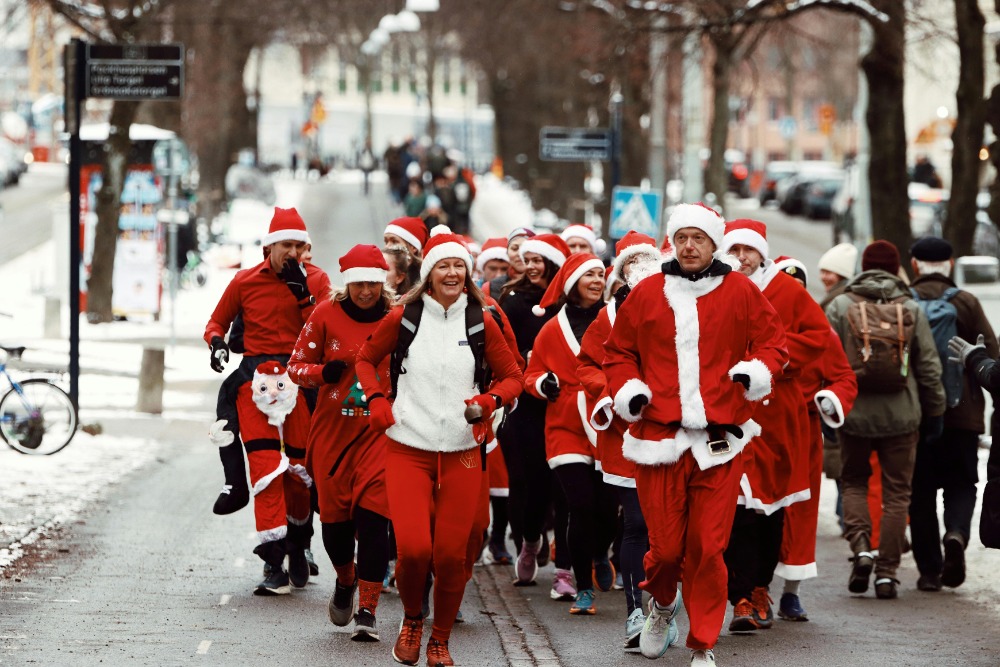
(753, 551)
(593, 518)
(522, 440)
(498, 531)
(560, 526)
(373, 543)
(635, 544)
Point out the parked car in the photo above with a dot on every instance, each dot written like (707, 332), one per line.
(774, 172)
(791, 191)
(737, 170)
(819, 197)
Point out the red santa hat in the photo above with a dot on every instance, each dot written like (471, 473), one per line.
(411, 230)
(585, 232)
(286, 225)
(444, 245)
(700, 217)
(793, 267)
(630, 245)
(473, 245)
(270, 368)
(549, 246)
(495, 248)
(746, 232)
(364, 263)
(562, 283)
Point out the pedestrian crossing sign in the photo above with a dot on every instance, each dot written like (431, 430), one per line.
(636, 209)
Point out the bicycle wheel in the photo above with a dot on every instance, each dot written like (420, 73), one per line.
(41, 419)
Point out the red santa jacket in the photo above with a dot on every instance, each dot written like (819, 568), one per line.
(830, 377)
(610, 428)
(776, 474)
(272, 315)
(682, 358)
(569, 437)
(341, 415)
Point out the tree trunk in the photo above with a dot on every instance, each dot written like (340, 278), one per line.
(883, 67)
(113, 169)
(431, 81)
(716, 180)
(967, 138)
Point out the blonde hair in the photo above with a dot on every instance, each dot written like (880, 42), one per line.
(341, 294)
(475, 294)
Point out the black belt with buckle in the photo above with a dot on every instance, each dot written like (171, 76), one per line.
(718, 445)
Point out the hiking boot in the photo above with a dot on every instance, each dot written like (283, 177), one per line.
(886, 588)
(863, 562)
(497, 554)
(275, 582)
(604, 574)
(341, 606)
(763, 614)
(790, 609)
(659, 632)
(930, 583)
(953, 570)
(547, 552)
(584, 603)
(298, 566)
(743, 617)
(633, 627)
(437, 653)
(527, 565)
(364, 627)
(406, 651)
(562, 586)
(703, 658)
(313, 567)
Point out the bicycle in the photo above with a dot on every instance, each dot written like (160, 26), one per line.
(36, 416)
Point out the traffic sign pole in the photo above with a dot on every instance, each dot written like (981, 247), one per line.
(74, 56)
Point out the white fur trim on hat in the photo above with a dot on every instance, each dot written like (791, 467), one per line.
(598, 246)
(403, 234)
(745, 236)
(572, 279)
(631, 389)
(833, 421)
(542, 248)
(695, 215)
(448, 250)
(286, 235)
(489, 255)
(760, 378)
(632, 251)
(364, 274)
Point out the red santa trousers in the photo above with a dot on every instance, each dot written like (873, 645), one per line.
(479, 525)
(444, 487)
(798, 541)
(689, 514)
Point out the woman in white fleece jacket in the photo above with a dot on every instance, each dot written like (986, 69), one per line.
(433, 466)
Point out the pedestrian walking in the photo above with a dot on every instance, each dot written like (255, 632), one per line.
(434, 469)
(345, 456)
(836, 268)
(951, 461)
(515, 264)
(888, 342)
(693, 349)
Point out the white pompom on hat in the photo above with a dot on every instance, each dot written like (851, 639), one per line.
(444, 244)
(585, 232)
(700, 217)
(562, 283)
(286, 225)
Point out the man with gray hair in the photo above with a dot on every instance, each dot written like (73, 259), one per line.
(950, 461)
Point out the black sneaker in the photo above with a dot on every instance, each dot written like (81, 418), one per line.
(930, 583)
(298, 567)
(364, 627)
(860, 571)
(342, 603)
(313, 567)
(953, 570)
(275, 582)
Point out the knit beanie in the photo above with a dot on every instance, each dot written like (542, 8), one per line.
(880, 255)
(841, 259)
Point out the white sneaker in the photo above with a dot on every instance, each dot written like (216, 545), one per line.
(660, 630)
(633, 628)
(702, 658)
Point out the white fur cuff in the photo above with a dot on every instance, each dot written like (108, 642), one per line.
(601, 416)
(833, 421)
(760, 378)
(631, 389)
(541, 378)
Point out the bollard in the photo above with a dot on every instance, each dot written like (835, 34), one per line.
(150, 399)
(52, 327)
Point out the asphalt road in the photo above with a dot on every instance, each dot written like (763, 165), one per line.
(26, 217)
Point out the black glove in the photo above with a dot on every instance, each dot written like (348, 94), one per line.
(220, 354)
(295, 277)
(550, 387)
(931, 428)
(332, 370)
(637, 403)
(743, 379)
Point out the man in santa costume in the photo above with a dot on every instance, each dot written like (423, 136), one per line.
(776, 470)
(693, 350)
(275, 299)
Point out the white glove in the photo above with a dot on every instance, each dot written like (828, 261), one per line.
(960, 350)
(219, 435)
(827, 406)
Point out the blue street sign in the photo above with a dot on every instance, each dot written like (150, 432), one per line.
(635, 208)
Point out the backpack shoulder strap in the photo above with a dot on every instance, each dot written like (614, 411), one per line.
(475, 332)
(950, 293)
(408, 326)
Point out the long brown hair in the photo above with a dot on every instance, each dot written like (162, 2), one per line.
(523, 283)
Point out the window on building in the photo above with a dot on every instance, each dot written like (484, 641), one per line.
(812, 155)
(413, 64)
(775, 108)
(446, 74)
(776, 157)
(463, 78)
(395, 67)
(341, 74)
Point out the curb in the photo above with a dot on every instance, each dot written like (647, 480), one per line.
(522, 636)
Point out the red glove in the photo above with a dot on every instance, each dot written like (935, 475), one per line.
(483, 431)
(380, 414)
(486, 402)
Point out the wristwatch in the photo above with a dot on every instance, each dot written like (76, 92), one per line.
(311, 301)
(499, 401)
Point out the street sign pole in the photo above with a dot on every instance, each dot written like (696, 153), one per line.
(74, 56)
(615, 107)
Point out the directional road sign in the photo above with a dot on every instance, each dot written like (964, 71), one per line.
(134, 71)
(575, 144)
(635, 208)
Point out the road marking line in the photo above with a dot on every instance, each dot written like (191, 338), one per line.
(203, 647)
(224, 600)
(239, 562)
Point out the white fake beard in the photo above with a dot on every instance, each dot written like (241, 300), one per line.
(644, 269)
(274, 401)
